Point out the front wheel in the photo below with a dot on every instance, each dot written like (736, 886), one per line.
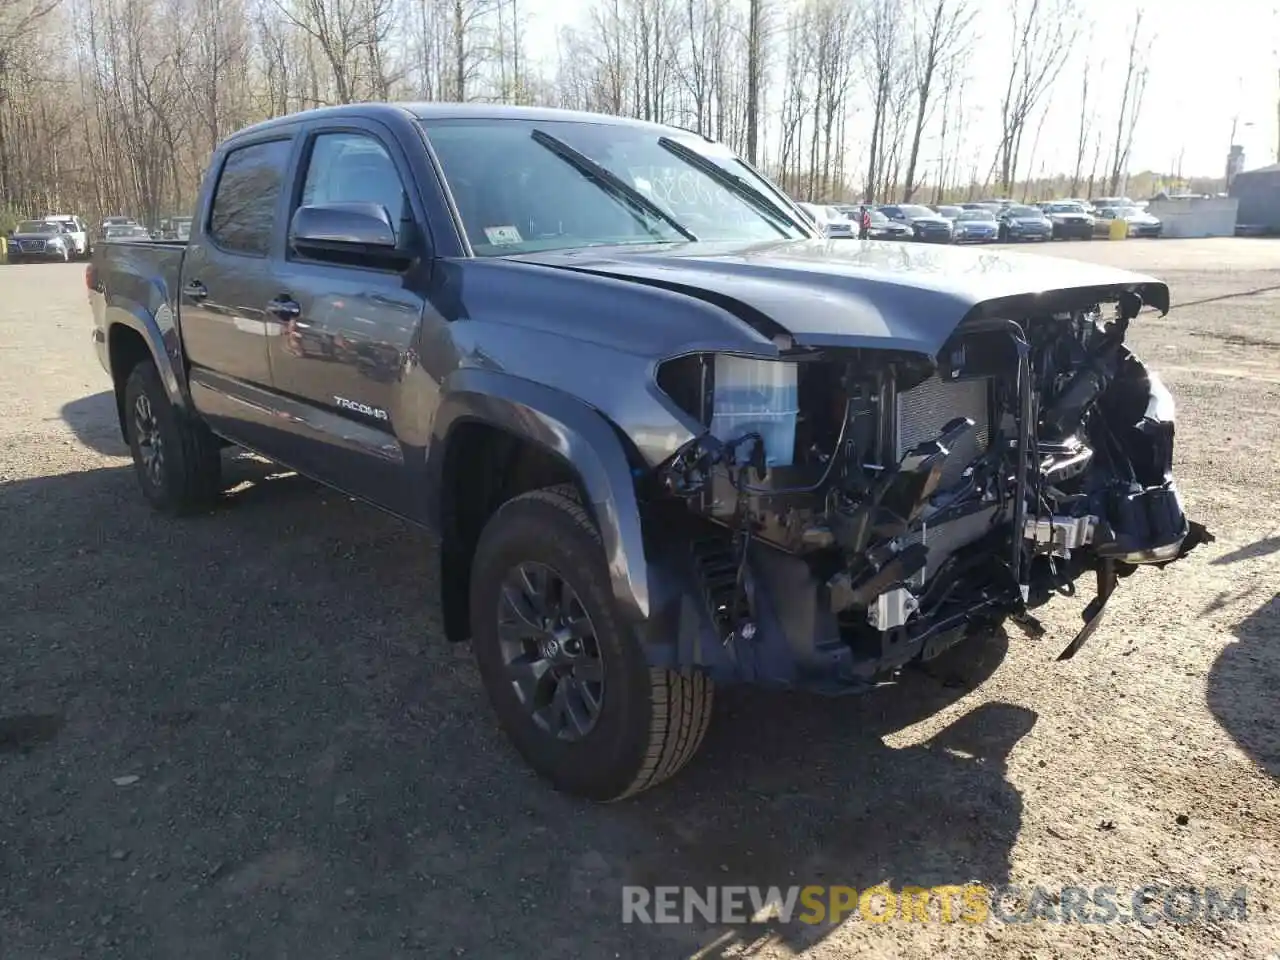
(566, 675)
(177, 460)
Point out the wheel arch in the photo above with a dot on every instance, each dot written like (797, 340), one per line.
(497, 436)
(135, 333)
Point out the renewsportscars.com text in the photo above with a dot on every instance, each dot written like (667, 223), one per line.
(970, 903)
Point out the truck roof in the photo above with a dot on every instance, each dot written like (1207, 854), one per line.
(459, 111)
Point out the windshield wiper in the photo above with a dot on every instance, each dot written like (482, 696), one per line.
(735, 184)
(610, 182)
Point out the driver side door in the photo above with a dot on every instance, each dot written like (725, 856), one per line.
(343, 333)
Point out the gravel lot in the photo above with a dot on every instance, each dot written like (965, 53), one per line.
(242, 735)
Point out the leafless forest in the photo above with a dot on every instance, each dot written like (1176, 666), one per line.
(111, 106)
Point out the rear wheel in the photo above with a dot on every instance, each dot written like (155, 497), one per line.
(177, 460)
(565, 674)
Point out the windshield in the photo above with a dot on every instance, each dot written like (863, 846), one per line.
(1129, 212)
(878, 217)
(1064, 208)
(976, 215)
(1025, 212)
(915, 210)
(518, 194)
(37, 226)
(950, 211)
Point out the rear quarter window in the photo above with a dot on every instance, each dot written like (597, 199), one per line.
(243, 213)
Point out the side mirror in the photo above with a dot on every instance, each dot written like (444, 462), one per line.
(346, 232)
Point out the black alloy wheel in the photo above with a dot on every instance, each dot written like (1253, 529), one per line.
(566, 673)
(550, 650)
(146, 428)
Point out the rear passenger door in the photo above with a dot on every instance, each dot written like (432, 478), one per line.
(346, 331)
(226, 283)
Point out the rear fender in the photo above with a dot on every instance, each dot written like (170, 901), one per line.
(155, 322)
(577, 434)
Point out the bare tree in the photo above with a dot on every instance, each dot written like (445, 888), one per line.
(755, 68)
(115, 106)
(941, 29)
(1043, 32)
(1135, 86)
(883, 33)
(1086, 117)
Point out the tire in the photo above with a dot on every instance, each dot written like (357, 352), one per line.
(188, 473)
(648, 722)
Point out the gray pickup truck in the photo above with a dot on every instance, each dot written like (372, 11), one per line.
(668, 436)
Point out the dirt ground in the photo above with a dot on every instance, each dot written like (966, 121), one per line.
(242, 735)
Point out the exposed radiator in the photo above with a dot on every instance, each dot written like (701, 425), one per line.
(925, 409)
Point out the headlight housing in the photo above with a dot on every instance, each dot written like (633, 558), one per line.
(735, 396)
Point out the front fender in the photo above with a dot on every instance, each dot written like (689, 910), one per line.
(579, 435)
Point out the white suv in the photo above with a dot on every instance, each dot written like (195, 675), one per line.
(74, 230)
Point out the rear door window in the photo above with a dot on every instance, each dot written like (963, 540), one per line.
(245, 200)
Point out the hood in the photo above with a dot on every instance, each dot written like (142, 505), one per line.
(865, 294)
(936, 220)
(1029, 218)
(39, 236)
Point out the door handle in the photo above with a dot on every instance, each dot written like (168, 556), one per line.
(284, 308)
(195, 290)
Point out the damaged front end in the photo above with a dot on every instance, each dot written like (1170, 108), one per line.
(847, 512)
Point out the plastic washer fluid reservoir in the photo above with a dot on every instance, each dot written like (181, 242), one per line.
(756, 396)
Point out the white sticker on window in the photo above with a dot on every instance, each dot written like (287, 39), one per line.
(500, 236)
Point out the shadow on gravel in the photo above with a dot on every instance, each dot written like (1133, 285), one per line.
(96, 424)
(265, 748)
(1243, 683)
(793, 791)
(1259, 548)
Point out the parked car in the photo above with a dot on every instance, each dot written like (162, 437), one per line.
(668, 438)
(975, 226)
(1019, 222)
(830, 221)
(127, 231)
(74, 228)
(882, 228)
(40, 240)
(118, 221)
(1069, 220)
(1101, 202)
(926, 226)
(1140, 223)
